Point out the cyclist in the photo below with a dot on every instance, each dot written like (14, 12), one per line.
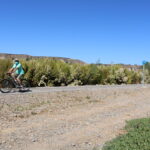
(16, 71)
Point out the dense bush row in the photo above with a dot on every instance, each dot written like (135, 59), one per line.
(147, 72)
(59, 73)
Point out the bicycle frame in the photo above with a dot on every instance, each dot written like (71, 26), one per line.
(12, 80)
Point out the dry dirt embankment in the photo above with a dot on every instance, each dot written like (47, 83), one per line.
(75, 119)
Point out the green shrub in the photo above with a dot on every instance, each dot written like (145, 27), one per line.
(4, 66)
(137, 137)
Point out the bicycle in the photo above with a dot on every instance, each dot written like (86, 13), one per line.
(6, 85)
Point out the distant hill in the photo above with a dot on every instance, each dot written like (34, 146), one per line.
(28, 57)
(67, 60)
(128, 66)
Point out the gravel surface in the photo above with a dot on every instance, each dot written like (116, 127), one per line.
(69, 118)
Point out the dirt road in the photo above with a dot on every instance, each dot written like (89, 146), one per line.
(78, 119)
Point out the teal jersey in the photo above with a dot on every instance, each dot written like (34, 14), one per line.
(19, 70)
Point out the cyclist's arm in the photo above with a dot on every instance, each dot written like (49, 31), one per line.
(12, 69)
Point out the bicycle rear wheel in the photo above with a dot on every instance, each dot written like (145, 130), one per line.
(25, 84)
(6, 86)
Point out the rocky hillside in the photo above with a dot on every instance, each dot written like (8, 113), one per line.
(28, 57)
(67, 60)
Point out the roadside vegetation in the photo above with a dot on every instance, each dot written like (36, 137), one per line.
(136, 138)
(59, 73)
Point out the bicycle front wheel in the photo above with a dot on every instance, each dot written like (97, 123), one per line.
(6, 86)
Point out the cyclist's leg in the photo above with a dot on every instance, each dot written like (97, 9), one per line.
(14, 76)
(18, 79)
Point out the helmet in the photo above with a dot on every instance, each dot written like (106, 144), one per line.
(16, 60)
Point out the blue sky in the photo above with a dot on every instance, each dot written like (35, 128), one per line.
(112, 31)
